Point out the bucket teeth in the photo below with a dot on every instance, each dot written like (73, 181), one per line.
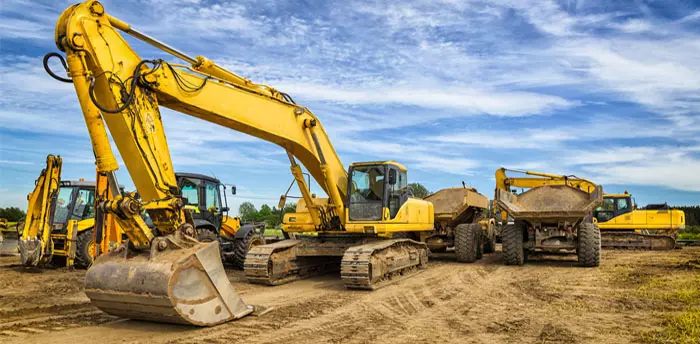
(182, 286)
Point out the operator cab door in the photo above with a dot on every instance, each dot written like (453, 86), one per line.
(366, 190)
(377, 192)
(396, 190)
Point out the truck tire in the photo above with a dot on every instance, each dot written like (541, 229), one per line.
(206, 234)
(466, 242)
(85, 243)
(242, 245)
(588, 245)
(513, 250)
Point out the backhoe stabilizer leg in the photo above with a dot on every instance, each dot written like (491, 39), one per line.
(186, 285)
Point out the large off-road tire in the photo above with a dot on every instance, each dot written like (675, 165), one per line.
(85, 247)
(242, 245)
(588, 245)
(206, 234)
(467, 242)
(513, 246)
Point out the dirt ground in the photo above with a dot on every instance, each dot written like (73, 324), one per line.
(546, 301)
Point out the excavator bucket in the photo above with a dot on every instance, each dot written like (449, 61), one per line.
(180, 285)
(9, 241)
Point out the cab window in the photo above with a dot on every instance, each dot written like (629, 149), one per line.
(366, 192)
(212, 196)
(606, 211)
(190, 191)
(62, 205)
(84, 205)
(623, 205)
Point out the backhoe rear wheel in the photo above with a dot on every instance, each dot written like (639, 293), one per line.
(513, 248)
(588, 245)
(205, 234)
(467, 242)
(84, 249)
(243, 245)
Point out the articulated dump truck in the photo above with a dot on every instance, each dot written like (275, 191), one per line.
(461, 224)
(553, 216)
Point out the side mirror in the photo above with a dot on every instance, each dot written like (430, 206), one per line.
(392, 177)
(233, 189)
(282, 202)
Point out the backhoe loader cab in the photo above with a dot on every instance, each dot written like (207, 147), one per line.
(203, 197)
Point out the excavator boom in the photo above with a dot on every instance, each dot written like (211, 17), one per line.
(118, 88)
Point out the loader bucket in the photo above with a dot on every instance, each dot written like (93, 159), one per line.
(179, 285)
(8, 243)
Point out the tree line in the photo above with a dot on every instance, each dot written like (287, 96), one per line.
(12, 214)
(692, 214)
(272, 216)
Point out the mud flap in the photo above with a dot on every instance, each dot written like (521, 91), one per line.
(178, 285)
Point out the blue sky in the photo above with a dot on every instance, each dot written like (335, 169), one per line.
(453, 89)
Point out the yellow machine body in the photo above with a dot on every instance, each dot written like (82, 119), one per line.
(624, 226)
(121, 93)
(60, 218)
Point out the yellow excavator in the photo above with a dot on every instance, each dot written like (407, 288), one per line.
(165, 274)
(58, 228)
(554, 215)
(622, 225)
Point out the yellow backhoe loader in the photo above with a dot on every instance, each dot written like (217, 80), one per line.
(622, 225)
(554, 215)
(8, 239)
(165, 274)
(58, 228)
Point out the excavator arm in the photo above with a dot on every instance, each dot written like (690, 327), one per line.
(112, 80)
(163, 273)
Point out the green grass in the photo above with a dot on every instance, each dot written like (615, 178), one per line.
(689, 236)
(270, 232)
(681, 328)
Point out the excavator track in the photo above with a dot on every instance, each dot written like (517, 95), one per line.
(280, 263)
(380, 263)
(637, 241)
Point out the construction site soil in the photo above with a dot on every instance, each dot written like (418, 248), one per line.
(546, 301)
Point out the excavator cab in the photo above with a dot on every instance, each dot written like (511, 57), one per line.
(377, 190)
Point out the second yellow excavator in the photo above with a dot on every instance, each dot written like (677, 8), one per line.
(164, 273)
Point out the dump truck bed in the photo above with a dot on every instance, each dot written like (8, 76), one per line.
(550, 202)
(453, 204)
